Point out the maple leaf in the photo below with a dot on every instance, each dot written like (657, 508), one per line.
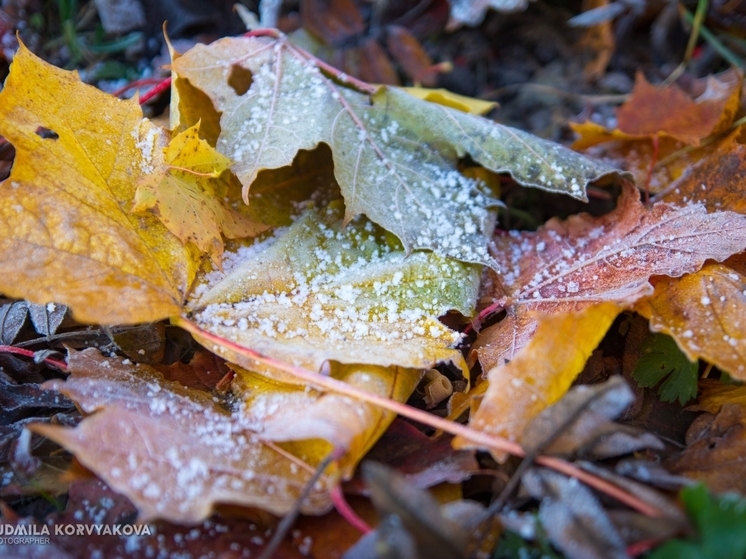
(704, 313)
(394, 155)
(716, 180)
(171, 450)
(566, 266)
(542, 372)
(64, 209)
(187, 194)
(658, 127)
(322, 291)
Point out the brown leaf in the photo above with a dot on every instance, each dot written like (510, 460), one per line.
(569, 265)
(704, 313)
(171, 450)
(717, 180)
(716, 450)
(668, 110)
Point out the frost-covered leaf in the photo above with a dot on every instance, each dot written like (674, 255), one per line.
(188, 194)
(171, 450)
(323, 291)
(704, 313)
(568, 265)
(66, 231)
(542, 372)
(660, 360)
(394, 155)
(12, 318)
(288, 412)
(46, 318)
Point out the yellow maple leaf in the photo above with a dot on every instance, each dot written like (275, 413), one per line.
(66, 231)
(188, 194)
(541, 372)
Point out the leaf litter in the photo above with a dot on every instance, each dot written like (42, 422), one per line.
(352, 289)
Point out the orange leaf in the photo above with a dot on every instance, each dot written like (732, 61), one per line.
(66, 232)
(543, 371)
(569, 265)
(653, 110)
(705, 313)
(717, 180)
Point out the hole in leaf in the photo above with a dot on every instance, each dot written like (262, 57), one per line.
(7, 156)
(46, 133)
(240, 79)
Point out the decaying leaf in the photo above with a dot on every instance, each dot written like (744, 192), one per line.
(383, 140)
(171, 450)
(581, 423)
(568, 265)
(704, 313)
(186, 191)
(715, 453)
(716, 180)
(573, 518)
(542, 372)
(322, 291)
(66, 232)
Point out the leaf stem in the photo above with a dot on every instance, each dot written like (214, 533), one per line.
(480, 438)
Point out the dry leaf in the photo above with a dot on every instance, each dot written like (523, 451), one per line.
(394, 156)
(66, 232)
(542, 372)
(717, 180)
(568, 265)
(668, 110)
(703, 312)
(171, 450)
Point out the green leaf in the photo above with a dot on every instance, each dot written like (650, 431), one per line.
(662, 359)
(395, 156)
(325, 291)
(720, 521)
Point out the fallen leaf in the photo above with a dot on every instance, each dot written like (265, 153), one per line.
(381, 139)
(715, 452)
(473, 12)
(568, 265)
(716, 180)
(281, 412)
(704, 313)
(323, 292)
(574, 520)
(12, 318)
(652, 110)
(581, 423)
(186, 192)
(447, 98)
(715, 394)
(46, 318)
(66, 232)
(171, 450)
(541, 372)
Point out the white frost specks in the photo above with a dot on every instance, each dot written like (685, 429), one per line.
(345, 283)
